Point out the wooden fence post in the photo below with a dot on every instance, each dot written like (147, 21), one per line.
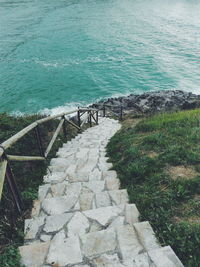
(97, 116)
(79, 117)
(39, 141)
(104, 110)
(13, 188)
(64, 127)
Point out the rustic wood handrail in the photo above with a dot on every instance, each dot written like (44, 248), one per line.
(103, 107)
(5, 159)
(5, 170)
(9, 142)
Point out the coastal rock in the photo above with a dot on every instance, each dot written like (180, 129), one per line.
(154, 101)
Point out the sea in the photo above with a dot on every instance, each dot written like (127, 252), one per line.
(59, 54)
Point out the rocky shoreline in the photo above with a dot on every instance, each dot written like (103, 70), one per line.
(153, 102)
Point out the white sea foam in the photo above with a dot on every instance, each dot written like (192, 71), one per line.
(76, 61)
(60, 109)
(72, 106)
(18, 113)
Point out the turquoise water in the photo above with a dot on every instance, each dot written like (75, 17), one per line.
(57, 54)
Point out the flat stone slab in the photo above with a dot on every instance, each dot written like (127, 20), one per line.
(97, 243)
(55, 223)
(131, 214)
(34, 255)
(64, 187)
(76, 223)
(59, 205)
(63, 251)
(146, 235)
(129, 244)
(110, 260)
(101, 248)
(74, 199)
(164, 257)
(32, 226)
(55, 177)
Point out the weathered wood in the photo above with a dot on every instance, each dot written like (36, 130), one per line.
(92, 115)
(3, 166)
(9, 142)
(14, 189)
(97, 117)
(6, 171)
(84, 120)
(56, 116)
(54, 137)
(24, 158)
(104, 111)
(79, 117)
(39, 141)
(88, 109)
(64, 127)
(1, 151)
(83, 112)
(73, 124)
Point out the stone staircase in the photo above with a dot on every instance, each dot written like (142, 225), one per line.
(82, 218)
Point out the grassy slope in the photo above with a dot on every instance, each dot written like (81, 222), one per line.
(28, 176)
(141, 155)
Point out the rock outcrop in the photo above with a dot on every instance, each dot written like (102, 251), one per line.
(153, 102)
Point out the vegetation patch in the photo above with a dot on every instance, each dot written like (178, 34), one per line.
(151, 154)
(158, 161)
(189, 211)
(181, 172)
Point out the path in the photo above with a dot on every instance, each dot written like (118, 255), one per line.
(82, 218)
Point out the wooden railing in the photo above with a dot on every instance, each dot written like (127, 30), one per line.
(91, 115)
(110, 108)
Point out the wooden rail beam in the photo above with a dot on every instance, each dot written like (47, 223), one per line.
(73, 124)
(5, 169)
(3, 166)
(54, 137)
(24, 158)
(56, 116)
(94, 118)
(84, 121)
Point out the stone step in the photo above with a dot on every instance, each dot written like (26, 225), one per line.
(160, 257)
(93, 248)
(64, 188)
(146, 235)
(74, 200)
(61, 189)
(79, 163)
(71, 176)
(44, 228)
(164, 257)
(111, 247)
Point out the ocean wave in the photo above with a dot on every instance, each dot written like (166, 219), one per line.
(64, 108)
(70, 62)
(67, 107)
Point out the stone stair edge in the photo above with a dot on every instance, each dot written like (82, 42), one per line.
(161, 257)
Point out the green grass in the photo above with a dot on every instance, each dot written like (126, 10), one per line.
(28, 175)
(142, 155)
(10, 257)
